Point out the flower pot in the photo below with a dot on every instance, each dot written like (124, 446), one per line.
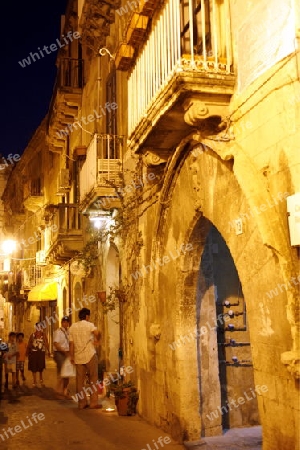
(102, 296)
(125, 403)
(121, 402)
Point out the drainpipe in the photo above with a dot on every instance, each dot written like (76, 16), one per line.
(98, 90)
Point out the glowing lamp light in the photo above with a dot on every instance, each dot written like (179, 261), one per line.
(108, 405)
(9, 246)
(100, 221)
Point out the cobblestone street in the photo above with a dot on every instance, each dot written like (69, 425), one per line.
(66, 426)
(58, 424)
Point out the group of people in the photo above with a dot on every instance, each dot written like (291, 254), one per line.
(18, 350)
(77, 343)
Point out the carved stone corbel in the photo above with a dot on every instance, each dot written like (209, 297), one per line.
(154, 158)
(205, 116)
(292, 360)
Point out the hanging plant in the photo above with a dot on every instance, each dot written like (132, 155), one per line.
(114, 298)
(89, 254)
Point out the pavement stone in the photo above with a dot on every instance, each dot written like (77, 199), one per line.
(63, 425)
(233, 439)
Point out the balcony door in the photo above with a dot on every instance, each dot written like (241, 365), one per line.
(208, 31)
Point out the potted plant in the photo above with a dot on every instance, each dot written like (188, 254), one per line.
(126, 398)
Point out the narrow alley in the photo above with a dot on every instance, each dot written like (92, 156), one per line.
(150, 224)
(63, 425)
(33, 418)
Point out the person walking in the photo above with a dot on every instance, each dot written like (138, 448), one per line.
(83, 337)
(61, 351)
(36, 352)
(10, 359)
(21, 355)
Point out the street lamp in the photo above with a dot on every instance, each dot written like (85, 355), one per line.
(101, 219)
(8, 246)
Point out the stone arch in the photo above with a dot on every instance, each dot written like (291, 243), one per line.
(205, 185)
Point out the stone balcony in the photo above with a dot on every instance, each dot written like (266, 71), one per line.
(34, 202)
(65, 101)
(66, 233)
(100, 175)
(182, 80)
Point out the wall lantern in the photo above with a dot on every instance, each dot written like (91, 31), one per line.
(8, 246)
(100, 220)
(293, 210)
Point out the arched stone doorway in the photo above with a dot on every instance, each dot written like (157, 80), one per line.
(200, 190)
(226, 379)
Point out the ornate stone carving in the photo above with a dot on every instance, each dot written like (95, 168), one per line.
(154, 158)
(207, 117)
(292, 361)
(95, 22)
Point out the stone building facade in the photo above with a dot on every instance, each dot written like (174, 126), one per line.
(170, 156)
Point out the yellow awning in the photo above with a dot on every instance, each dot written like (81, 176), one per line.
(43, 292)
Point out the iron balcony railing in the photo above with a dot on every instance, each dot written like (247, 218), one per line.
(103, 163)
(189, 35)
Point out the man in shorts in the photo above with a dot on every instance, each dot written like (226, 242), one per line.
(21, 355)
(83, 338)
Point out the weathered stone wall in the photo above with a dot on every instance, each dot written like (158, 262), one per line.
(248, 178)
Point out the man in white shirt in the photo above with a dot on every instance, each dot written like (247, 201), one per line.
(61, 351)
(82, 337)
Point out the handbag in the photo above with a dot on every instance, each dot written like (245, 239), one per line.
(68, 369)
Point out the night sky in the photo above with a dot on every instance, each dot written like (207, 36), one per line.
(26, 92)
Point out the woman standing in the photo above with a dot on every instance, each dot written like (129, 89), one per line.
(36, 351)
